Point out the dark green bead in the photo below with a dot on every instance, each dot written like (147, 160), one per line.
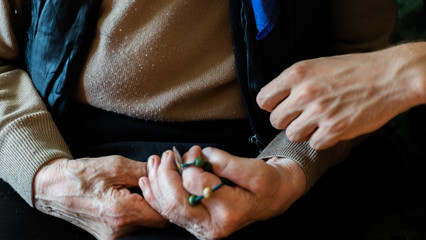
(199, 162)
(208, 167)
(192, 200)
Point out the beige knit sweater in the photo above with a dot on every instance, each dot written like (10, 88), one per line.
(29, 137)
(163, 60)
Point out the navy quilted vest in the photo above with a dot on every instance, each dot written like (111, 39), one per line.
(58, 37)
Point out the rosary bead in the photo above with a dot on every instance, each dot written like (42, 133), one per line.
(192, 200)
(199, 162)
(208, 167)
(208, 192)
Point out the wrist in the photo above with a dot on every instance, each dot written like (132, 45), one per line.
(47, 176)
(411, 63)
(292, 181)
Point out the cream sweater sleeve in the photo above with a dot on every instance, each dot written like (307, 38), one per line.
(28, 136)
(314, 163)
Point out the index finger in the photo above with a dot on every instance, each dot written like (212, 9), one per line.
(168, 193)
(273, 93)
(278, 89)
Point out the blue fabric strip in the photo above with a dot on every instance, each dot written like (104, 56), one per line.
(266, 13)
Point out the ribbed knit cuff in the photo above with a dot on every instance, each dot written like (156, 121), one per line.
(313, 162)
(25, 145)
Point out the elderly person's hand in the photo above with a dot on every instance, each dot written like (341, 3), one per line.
(262, 190)
(337, 98)
(92, 193)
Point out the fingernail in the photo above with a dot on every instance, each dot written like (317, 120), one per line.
(142, 182)
(151, 161)
(207, 152)
(165, 154)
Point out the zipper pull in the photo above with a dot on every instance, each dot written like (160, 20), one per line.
(255, 140)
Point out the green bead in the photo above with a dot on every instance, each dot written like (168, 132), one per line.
(192, 200)
(199, 162)
(208, 167)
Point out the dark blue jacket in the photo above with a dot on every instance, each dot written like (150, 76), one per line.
(60, 32)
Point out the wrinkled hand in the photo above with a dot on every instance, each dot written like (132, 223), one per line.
(337, 98)
(93, 194)
(264, 189)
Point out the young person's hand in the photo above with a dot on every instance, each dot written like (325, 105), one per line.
(329, 99)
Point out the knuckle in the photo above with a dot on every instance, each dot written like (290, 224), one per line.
(116, 164)
(306, 93)
(320, 107)
(298, 72)
(340, 127)
(115, 171)
(117, 159)
(336, 126)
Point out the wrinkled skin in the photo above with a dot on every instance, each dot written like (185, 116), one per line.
(263, 190)
(92, 194)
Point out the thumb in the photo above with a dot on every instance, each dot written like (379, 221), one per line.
(241, 171)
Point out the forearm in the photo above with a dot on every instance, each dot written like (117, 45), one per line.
(28, 136)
